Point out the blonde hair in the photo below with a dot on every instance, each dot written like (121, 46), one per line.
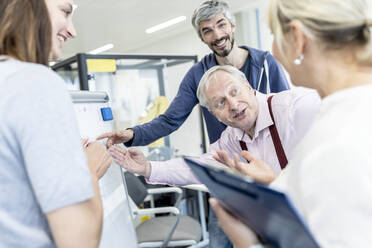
(336, 23)
(206, 79)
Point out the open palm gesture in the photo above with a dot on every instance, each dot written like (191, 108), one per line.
(131, 159)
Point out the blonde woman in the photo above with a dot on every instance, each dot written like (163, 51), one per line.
(326, 45)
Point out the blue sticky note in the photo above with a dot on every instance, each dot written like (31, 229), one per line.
(107, 114)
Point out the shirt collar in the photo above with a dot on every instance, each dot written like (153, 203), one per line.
(263, 118)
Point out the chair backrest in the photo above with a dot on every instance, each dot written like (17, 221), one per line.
(136, 190)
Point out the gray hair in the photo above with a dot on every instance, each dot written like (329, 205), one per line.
(206, 79)
(336, 23)
(209, 9)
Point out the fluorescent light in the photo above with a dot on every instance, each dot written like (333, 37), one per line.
(165, 24)
(102, 49)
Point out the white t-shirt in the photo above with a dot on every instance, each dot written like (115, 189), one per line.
(329, 178)
(42, 163)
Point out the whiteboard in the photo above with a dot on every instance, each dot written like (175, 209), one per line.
(118, 229)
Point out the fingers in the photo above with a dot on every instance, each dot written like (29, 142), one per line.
(119, 159)
(118, 149)
(248, 156)
(242, 167)
(98, 159)
(222, 157)
(109, 143)
(236, 159)
(218, 157)
(223, 216)
(84, 142)
(111, 136)
(105, 165)
(239, 234)
(105, 135)
(135, 152)
(117, 153)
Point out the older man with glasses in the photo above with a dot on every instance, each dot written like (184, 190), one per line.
(260, 127)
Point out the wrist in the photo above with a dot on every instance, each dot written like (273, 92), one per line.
(131, 131)
(148, 169)
(130, 141)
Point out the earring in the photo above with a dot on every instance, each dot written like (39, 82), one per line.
(298, 61)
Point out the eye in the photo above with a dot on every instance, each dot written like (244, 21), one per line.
(222, 25)
(220, 103)
(66, 12)
(206, 32)
(234, 92)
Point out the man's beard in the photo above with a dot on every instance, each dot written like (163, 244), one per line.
(226, 52)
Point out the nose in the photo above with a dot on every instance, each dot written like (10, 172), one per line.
(233, 104)
(217, 34)
(71, 30)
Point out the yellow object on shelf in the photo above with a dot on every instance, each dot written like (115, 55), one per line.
(144, 218)
(154, 109)
(101, 65)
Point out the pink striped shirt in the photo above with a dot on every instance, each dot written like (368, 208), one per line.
(293, 110)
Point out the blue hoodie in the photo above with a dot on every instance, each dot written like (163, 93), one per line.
(185, 100)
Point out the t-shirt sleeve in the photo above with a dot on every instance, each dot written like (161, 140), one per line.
(49, 140)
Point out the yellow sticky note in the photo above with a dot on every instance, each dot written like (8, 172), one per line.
(101, 65)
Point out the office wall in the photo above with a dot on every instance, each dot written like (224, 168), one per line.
(188, 42)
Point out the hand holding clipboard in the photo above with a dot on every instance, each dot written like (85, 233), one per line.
(268, 212)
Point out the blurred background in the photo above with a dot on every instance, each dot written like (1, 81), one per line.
(122, 23)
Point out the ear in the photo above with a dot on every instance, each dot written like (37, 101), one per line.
(297, 37)
(201, 38)
(201, 35)
(248, 85)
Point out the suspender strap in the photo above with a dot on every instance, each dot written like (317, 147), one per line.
(276, 140)
(243, 145)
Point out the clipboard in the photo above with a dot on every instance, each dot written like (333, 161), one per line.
(268, 212)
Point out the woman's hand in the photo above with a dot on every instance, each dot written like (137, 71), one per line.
(99, 159)
(239, 234)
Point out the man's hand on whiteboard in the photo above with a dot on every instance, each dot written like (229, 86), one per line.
(99, 159)
(132, 160)
(117, 137)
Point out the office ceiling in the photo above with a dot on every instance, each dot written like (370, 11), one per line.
(123, 22)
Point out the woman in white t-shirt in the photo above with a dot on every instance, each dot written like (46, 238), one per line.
(325, 45)
(49, 186)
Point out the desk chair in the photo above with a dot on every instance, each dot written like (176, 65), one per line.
(174, 230)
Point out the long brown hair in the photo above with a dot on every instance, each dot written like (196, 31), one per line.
(25, 30)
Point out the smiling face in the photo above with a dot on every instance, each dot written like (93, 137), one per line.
(233, 102)
(218, 34)
(60, 12)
